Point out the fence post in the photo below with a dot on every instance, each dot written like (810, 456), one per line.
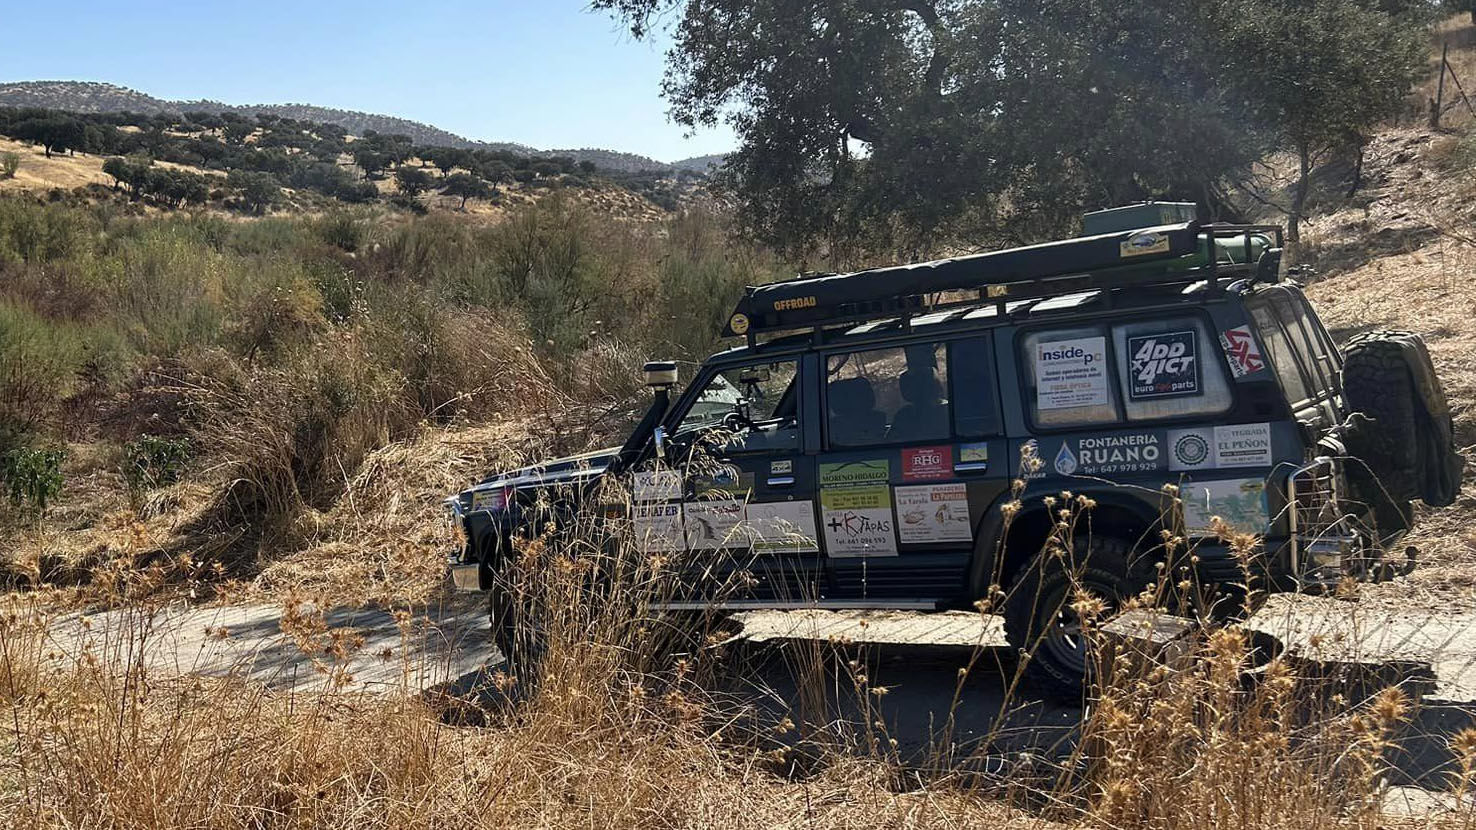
(1439, 102)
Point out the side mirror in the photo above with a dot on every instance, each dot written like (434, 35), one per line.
(660, 374)
(660, 438)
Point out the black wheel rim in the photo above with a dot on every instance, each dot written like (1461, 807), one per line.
(1062, 637)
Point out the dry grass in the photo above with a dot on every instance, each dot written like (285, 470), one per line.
(613, 730)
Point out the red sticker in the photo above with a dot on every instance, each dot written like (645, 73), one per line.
(924, 463)
(1240, 347)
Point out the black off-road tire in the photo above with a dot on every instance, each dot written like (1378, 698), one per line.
(1384, 473)
(520, 643)
(1037, 612)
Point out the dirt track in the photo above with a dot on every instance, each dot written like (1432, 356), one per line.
(918, 657)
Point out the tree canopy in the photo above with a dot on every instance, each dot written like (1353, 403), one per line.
(909, 122)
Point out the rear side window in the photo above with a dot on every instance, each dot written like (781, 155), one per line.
(1283, 355)
(1142, 370)
(1170, 369)
(887, 396)
(1305, 339)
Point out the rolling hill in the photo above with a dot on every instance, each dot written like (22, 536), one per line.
(94, 97)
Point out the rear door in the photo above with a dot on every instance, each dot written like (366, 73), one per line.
(906, 452)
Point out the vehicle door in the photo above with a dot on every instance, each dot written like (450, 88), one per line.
(747, 506)
(905, 464)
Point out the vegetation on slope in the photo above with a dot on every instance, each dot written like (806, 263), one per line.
(286, 351)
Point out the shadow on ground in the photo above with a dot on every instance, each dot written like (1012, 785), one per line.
(960, 712)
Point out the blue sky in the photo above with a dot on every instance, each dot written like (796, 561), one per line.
(550, 74)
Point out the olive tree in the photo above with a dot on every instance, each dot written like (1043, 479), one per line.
(1320, 73)
(909, 123)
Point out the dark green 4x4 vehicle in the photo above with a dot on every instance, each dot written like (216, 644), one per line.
(899, 438)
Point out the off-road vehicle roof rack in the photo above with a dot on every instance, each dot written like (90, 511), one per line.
(1176, 254)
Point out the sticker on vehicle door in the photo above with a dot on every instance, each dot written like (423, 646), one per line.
(715, 523)
(783, 527)
(858, 521)
(973, 454)
(1240, 503)
(1238, 445)
(923, 463)
(1071, 373)
(657, 486)
(933, 513)
(856, 509)
(657, 526)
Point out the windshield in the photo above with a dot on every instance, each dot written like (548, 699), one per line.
(718, 398)
(746, 399)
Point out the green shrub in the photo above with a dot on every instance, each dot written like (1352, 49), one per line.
(152, 461)
(32, 477)
(42, 233)
(39, 365)
(9, 163)
(342, 231)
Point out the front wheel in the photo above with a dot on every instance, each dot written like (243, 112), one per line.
(1041, 621)
(520, 643)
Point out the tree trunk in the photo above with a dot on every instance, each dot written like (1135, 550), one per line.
(1299, 194)
(1358, 171)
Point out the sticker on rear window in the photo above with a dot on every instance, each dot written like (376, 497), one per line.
(1071, 373)
(1242, 352)
(1164, 366)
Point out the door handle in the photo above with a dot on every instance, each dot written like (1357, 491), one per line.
(781, 481)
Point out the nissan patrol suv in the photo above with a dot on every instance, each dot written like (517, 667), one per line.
(901, 437)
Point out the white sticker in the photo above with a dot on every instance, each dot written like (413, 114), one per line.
(1191, 449)
(657, 527)
(783, 527)
(715, 524)
(1240, 502)
(858, 521)
(658, 486)
(933, 513)
(492, 499)
(1071, 373)
(1241, 445)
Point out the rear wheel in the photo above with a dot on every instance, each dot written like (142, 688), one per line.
(1042, 622)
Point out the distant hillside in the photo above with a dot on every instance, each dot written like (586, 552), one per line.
(700, 164)
(93, 97)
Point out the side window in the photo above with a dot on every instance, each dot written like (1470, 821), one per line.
(759, 403)
(1068, 377)
(1279, 349)
(887, 396)
(1169, 368)
(1305, 340)
(975, 392)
